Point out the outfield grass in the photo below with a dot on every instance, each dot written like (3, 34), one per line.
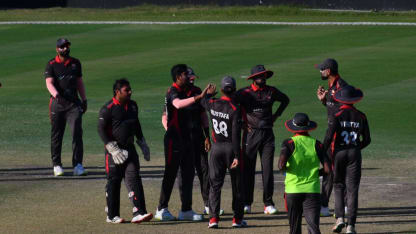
(211, 13)
(376, 59)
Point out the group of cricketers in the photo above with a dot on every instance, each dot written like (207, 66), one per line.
(241, 128)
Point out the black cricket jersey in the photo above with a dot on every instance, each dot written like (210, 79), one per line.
(180, 121)
(65, 76)
(333, 106)
(349, 130)
(257, 103)
(119, 123)
(225, 117)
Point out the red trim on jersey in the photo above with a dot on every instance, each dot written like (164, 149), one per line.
(213, 136)
(170, 143)
(117, 102)
(174, 121)
(177, 87)
(225, 98)
(107, 169)
(255, 89)
(58, 60)
(302, 134)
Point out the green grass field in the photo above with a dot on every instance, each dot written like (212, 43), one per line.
(379, 60)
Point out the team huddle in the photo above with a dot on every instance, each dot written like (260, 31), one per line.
(241, 128)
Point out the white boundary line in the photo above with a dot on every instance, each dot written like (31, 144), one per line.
(214, 23)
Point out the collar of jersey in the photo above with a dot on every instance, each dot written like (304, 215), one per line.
(255, 89)
(343, 107)
(59, 61)
(177, 87)
(335, 81)
(226, 98)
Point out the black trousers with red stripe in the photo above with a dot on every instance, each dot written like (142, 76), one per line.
(220, 160)
(178, 154)
(60, 114)
(130, 171)
(307, 204)
(261, 141)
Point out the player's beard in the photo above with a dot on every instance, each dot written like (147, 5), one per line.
(324, 77)
(260, 82)
(64, 53)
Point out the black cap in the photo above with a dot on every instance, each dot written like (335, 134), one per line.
(329, 63)
(300, 123)
(228, 82)
(191, 72)
(62, 41)
(348, 95)
(259, 70)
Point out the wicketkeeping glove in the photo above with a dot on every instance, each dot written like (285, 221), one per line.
(119, 155)
(145, 148)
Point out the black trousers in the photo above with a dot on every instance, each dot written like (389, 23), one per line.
(178, 154)
(60, 115)
(327, 184)
(130, 171)
(347, 177)
(201, 167)
(262, 141)
(308, 204)
(220, 160)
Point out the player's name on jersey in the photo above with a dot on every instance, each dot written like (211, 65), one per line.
(347, 124)
(220, 114)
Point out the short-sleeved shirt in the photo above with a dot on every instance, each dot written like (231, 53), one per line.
(65, 76)
(333, 106)
(257, 103)
(119, 123)
(179, 120)
(288, 147)
(349, 130)
(225, 116)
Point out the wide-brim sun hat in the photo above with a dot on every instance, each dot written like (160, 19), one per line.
(260, 71)
(300, 123)
(348, 95)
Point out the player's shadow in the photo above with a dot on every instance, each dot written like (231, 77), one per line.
(387, 211)
(46, 173)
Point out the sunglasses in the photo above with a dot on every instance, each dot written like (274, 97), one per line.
(64, 46)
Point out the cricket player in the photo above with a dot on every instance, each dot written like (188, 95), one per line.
(300, 158)
(118, 124)
(329, 71)
(347, 136)
(179, 153)
(256, 103)
(63, 76)
(225, 154)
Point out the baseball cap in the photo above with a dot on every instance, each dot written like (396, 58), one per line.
(62, 41)
(328, 63)
(191, 72)
(228, 82)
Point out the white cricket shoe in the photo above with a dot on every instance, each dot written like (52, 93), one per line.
(325, 211)
(116, 220)
(164, 215)
(237, 223)
(58, 171)
(351, 229)
(206, 211)
(247, 209)
(79, 170)
(190, 215)
(339, 225)
(270, 210)
(142, 218)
